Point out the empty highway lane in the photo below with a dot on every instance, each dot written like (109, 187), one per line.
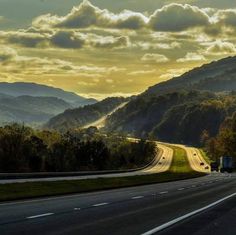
(134, 210)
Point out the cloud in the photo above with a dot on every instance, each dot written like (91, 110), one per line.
(158, 58)
(226, 17)
(108, 42)
(24, 38)
(178, 17)
(191, 57)
(7, 54)
(67, 39)
(221, 48)
(171, 73)
(142, 72)
(87, 15)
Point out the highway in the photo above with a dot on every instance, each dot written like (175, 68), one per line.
(143, 210)
(195, 159)
(197, 162)
(100, 123)
(161, 163)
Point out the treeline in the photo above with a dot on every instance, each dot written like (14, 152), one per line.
(23, 149)
(224, 144)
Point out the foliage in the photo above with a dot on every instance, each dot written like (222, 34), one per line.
(225, 142)
(180, 117)
(23, 149)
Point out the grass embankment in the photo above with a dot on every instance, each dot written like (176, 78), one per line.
(180, 163)
(179, 170)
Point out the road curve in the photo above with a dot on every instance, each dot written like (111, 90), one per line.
(196, 160)
(161, 163)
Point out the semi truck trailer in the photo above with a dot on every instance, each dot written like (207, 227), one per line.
(226, 164)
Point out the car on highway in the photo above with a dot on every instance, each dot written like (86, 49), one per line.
(195, 154)
(207, 167)
(202, 164)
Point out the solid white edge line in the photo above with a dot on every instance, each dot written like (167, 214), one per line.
(172, 222)
(38, 216)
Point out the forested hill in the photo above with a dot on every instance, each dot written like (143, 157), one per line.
(75, 118)
(179, 117)
(218, 76)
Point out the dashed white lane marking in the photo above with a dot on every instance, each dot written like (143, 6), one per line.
(101, 204)
(193, 186)
(137, 197)
(76, 209)
(180, 189)
(164, 192)
(175, 221)
(38, 216)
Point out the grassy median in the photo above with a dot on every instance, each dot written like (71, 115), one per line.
(180, 163)
(179, 170)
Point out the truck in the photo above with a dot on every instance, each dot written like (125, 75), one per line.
(226, 164)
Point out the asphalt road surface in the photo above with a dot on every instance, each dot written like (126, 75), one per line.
(100, 123)
(132, 211)
(195, 159)
(162, 163)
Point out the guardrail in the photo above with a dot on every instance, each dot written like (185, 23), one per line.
(41, 175)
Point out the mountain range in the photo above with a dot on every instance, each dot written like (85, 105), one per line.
(35, 104)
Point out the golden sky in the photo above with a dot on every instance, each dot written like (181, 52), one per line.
(99, 48)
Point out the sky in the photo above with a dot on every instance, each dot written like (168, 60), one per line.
(102, 48)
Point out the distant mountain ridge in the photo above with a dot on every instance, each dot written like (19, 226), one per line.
(217, 76)
(29, 109)
(32, 89)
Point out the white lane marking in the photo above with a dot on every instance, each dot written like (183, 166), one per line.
(164, 192)
(76, 209)
(137, 197)
(38, 216)
(193, 186)
(180, 189)
(172, 222)
(101, 204)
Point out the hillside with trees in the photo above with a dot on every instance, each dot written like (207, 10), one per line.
(224, 143)
(76, 118)
(179, 117)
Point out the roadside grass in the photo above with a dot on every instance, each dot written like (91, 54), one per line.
(179, 170)
(28, 190)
